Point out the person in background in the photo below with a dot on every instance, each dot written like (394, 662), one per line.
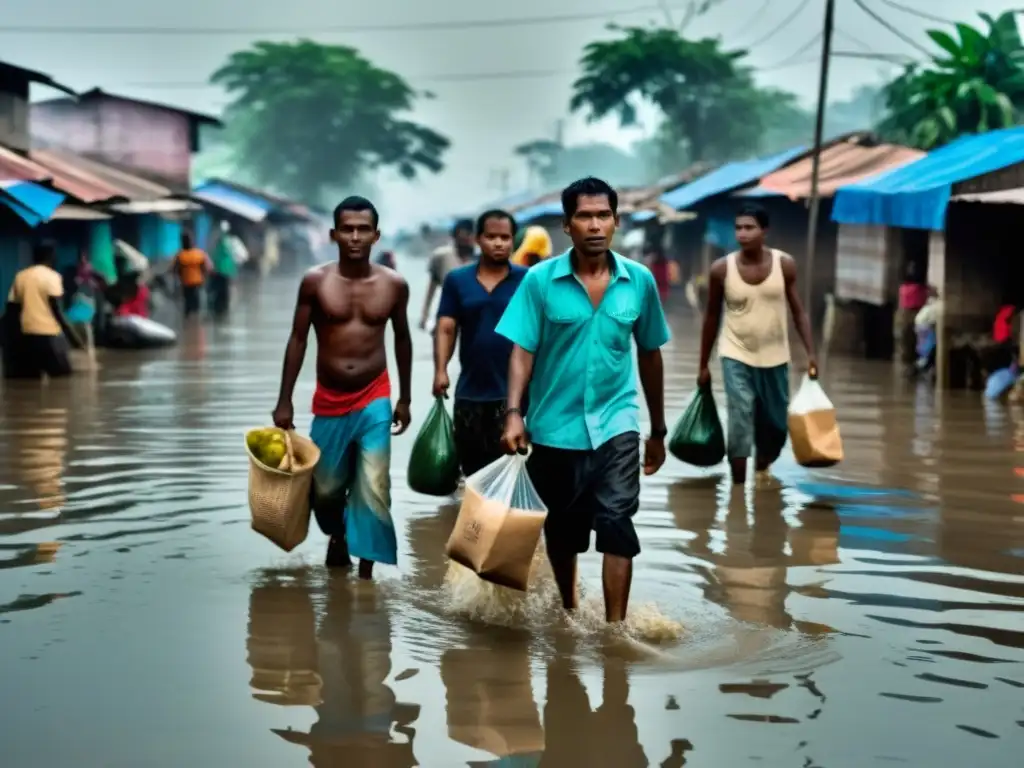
(535, 247)
(40, 344)
(573, 323)
(225, 270)
(386, 259)
(82, 286)
(134, 297)
(192, 266)
(473, 299)
(657, 262)
(349, 304)
(752, 288)
(460, 251)
(926, 324)
(913, 296)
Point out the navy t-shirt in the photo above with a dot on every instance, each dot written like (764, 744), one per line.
(483, 354)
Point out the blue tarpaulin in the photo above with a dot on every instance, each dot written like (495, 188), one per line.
(33, 203)
(724, 179)
(916, 195)
(232, 200)
(539, 211)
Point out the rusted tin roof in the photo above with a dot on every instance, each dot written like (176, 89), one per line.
(105, 182)
(842, 163)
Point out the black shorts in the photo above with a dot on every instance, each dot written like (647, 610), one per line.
(191, 295)
(33, 356)
(586, 491)
(478, 429)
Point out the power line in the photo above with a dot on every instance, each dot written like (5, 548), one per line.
(855, 40)
(424, 26)
(914, 12)
(908, 40)
(460, 77)
(796, 54)
(781, 25)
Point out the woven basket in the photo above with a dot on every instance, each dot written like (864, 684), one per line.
(279, 499)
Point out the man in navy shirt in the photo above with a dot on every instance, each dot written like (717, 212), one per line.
(473, 299)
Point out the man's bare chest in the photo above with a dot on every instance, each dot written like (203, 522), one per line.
(347, 303)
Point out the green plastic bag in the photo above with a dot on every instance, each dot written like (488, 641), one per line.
(433, 463)
(698, 438)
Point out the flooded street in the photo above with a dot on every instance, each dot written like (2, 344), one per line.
(870, 614)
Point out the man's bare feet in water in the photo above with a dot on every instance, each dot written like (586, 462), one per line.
(337, 554)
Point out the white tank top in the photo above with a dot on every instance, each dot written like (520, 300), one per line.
(755, 329)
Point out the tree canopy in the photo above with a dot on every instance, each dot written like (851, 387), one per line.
(975, 83)
(310, 120)
(708, 97)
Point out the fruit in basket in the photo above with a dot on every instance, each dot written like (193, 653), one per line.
(267, 445)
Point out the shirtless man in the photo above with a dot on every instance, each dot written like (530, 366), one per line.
(750, 294)
(349, 304)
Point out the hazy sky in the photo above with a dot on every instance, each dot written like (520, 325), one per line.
(486, 117)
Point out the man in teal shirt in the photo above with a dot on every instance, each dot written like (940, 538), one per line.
(572, 322)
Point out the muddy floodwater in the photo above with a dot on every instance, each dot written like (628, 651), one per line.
(870, 614)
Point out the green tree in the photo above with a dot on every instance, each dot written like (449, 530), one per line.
(706, 94)
(975, 84)
(309, 119)
(541, 158)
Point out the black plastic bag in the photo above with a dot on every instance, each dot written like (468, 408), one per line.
(697, 437)
(433, 463)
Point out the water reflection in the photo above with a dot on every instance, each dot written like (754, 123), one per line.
(339, 667)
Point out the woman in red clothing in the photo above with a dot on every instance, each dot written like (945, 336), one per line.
(658, 263)
(913, 296)
(136, 298)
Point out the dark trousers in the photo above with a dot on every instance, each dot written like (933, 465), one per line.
(33, 356)
(584, 491)
(478, 429)
(190, 294)
(220, 294)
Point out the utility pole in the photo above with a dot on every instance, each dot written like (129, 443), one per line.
(819, 128)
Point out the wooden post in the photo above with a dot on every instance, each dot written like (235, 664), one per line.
(937, 278)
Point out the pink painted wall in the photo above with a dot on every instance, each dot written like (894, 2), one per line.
(152, 141)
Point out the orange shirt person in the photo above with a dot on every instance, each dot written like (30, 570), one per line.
(192, 266)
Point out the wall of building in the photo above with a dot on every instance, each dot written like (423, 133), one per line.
(14, 115)
(153, 142)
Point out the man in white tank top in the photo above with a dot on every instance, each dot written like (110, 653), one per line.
(754, 287)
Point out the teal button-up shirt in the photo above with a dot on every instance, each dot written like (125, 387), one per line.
(584, 386)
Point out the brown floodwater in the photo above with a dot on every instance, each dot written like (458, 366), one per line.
(868, 614)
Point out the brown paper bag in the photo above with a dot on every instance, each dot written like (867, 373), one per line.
(499, 524)
(490, 701)
(813, 428)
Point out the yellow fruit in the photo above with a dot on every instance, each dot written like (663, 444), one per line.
(272, 454)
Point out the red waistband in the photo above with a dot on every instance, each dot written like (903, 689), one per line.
(329, 402)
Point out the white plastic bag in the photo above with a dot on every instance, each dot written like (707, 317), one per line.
(499, 524)
(813, 429)
(237, 248)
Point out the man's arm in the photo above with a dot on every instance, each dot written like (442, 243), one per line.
(432, 286)
(651, 333)
(65, 326)
(803, 323)
(295, 352)
(712, 314)
(403, 341)
(445, 334)
(520, 369)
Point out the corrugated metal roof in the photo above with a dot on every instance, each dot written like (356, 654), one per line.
(916, 195)
(32, 76)
(84, 180)
(233, 201)
(841, 164)
(727, 178)
(999, 197)
(78, 213)
(102, 181)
